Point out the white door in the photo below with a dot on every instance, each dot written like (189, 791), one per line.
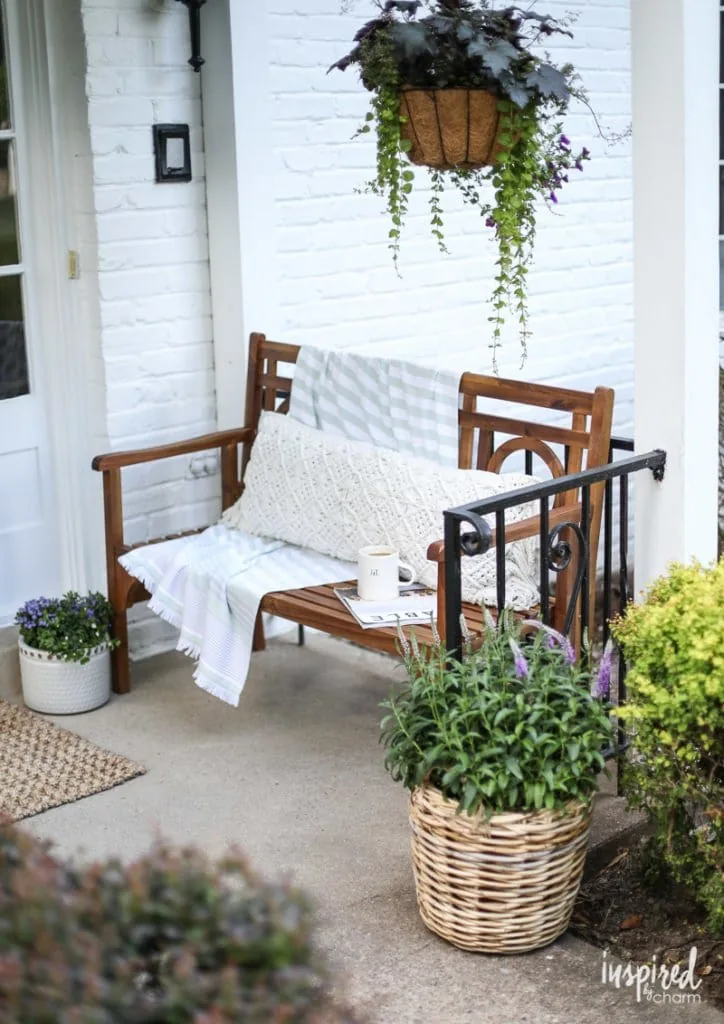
(29, 560)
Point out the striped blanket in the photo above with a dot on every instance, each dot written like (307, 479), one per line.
(389, 403)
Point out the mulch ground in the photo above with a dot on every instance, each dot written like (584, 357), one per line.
(617, 911)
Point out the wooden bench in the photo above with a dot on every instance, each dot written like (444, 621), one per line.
(583, 444)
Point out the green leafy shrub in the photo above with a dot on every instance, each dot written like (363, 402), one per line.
(68, 627)
(512, 726)
(470, 44)
(674, 643)
(170, 939)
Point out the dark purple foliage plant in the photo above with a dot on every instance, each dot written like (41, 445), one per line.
(171, 939)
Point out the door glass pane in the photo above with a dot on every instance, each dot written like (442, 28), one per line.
(5, 121)
(9, 249)
(13, 358)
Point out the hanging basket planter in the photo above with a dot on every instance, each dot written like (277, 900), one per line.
(506, 885)
(449, 129)
(459, 87)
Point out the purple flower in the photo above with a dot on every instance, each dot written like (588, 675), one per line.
(585, 153)
(578, 165)
(521, 665)
(602, 685)
(490, 222)
(565, 141)
(553, 197)
(554, 639)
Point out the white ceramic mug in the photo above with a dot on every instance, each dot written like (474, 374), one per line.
(378, 577)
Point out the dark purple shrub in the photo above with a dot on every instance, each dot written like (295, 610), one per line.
(171, 939)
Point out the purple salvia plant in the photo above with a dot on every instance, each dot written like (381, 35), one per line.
(602, 685)
(489, 620)
(403, 640)
(434, 630)
(466, 634)
(521, 665)
(555, 639)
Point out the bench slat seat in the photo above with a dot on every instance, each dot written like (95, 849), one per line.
(320, 608)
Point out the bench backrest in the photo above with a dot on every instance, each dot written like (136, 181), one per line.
(562, 449)
(487, 438)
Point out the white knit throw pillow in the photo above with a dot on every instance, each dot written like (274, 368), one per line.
(335, 496)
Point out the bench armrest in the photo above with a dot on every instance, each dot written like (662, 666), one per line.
(219, 439)
(529, 527)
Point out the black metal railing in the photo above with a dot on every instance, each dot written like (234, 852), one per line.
(556, 553)
(567, 544)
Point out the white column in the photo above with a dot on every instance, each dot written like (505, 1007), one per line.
(676, 296)
(240, 196)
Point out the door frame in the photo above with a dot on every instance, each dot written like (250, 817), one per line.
(38, 35)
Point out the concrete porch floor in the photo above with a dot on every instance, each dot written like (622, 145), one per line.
(294, 777)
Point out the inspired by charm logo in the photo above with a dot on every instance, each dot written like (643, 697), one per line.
(654, 982)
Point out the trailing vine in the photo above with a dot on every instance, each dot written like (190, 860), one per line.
(468, 44)
(437, 188)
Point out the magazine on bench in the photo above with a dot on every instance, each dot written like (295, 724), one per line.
(416, 605)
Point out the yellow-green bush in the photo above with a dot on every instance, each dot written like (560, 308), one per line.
(674, 644)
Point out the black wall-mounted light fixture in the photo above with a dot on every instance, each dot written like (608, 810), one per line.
(194, 9)
(172, 150)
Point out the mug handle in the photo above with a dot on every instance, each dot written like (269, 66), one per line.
(408, 570)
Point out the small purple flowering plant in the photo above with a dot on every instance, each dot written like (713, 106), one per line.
(68, 627)
(518, 724)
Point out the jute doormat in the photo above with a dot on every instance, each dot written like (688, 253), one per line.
(43, 766)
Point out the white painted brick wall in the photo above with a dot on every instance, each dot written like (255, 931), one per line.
(335, 278)
(152, 264)
(152, 254)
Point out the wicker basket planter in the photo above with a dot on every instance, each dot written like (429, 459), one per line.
(450, 128)
(56, 687)
(503, 886)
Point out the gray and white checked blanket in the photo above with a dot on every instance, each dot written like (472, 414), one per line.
(389, 403)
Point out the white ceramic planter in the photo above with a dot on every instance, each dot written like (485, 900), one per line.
(57, 687)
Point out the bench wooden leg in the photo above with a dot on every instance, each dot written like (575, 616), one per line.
(258, 643)
(120, 667)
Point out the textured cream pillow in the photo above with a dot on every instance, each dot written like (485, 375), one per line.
(335, 496)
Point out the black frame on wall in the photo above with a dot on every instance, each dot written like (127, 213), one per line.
(161, 135)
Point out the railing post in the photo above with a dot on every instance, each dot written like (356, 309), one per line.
(453, 587)
(544, 566)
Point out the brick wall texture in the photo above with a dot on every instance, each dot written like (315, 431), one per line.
(152, 253)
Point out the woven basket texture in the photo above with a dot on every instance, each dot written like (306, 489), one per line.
(56, 687)
(506, 885)
(450, 128)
